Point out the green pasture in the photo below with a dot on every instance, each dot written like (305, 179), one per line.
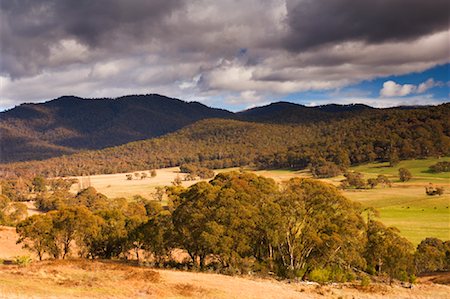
(418, 168)
(406, 205)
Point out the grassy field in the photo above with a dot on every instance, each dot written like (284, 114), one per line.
(117, 185)
(418, 168)
(404, 205)
(108, 279)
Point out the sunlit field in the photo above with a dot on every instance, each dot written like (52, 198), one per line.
(405, 205)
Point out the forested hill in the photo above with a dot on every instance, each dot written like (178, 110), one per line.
(67, 124)
(285, 112)
(70, 124)
(388, 134)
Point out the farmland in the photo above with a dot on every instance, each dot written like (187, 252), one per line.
(405, 205)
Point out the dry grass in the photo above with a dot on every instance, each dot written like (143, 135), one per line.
(117, 185)
(8, 246)
(108, 279)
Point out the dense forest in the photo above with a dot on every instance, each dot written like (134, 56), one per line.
(237, 223)
(369, 135)
(70, 124)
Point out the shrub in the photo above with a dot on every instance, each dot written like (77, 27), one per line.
(23, 260)
(354, 180)
(440, 167)
(324, 169)
(365, 281)
(320, 275)
(384, 180)
(372, 183)
(404, 174)
(431, 190)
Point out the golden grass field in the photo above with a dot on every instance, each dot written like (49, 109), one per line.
(108, 279)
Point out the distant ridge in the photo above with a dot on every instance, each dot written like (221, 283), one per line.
(69, 124)
(286, 112)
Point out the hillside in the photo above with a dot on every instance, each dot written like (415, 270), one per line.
(96, 279)
(290, 113)
(68, 124)
(217, 143)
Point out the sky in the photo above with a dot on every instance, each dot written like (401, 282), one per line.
(229, 54)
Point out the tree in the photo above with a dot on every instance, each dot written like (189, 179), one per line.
(245, 219)
(17, 211)
(39, 184)
(60, 184)
(387, 252)
(4, 203)
(372, 182)
(319, 227)
(11, 212)
(36, 234)
(190, 218)
(153, 173)
(143, 175)
(321, 168)
(177, 181)
(53, 201)
(404, 174)
(443, 166)
(159, 193)
(91, 199)
(393, 157)
(384, 180)
(431, 255)
(129, 177)
(74, 224)
(353, 180)
(112, 239)
(155, 236)
(225, 218)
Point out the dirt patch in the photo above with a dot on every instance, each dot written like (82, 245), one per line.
(189, 290)
(436, 277)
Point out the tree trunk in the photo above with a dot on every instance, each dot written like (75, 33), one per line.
(202, 262)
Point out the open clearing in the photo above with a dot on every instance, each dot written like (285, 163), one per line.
(117, 185)
(97, 279)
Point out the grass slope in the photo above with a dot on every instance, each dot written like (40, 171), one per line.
(405, 205)
(97, 279)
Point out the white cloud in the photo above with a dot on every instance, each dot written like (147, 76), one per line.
(424, 86)
(385, 102)
(393, 89)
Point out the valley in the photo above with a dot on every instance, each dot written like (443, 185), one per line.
(404, 205)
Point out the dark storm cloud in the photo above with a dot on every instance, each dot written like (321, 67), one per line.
(30, 28)
(317, 22)
(246, 51)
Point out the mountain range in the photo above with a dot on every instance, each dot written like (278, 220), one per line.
(70, 124)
